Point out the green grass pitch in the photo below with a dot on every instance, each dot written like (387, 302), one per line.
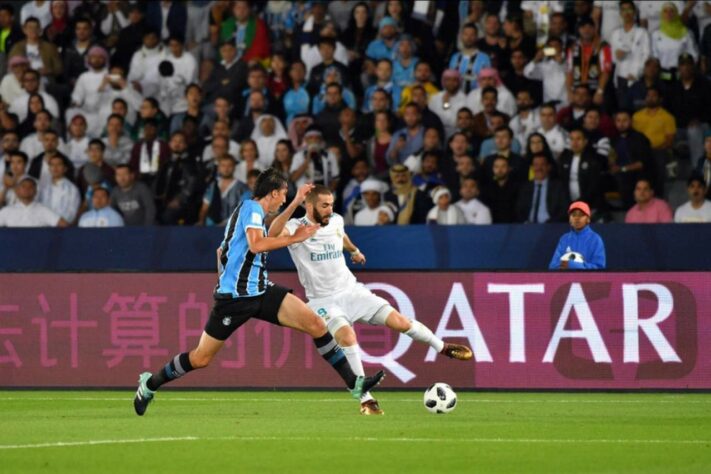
(293, 432)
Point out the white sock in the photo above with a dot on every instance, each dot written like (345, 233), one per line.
(353, 357)
(420, 332)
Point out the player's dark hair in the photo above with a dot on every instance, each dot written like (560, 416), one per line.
(269, 180)
(318, 190)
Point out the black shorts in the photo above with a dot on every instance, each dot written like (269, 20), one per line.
(229, 314)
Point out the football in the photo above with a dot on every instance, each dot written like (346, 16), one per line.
(440, 398)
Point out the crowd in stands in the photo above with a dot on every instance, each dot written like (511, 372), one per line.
(448, 112)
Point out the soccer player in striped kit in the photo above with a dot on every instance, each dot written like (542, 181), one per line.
(244, 291)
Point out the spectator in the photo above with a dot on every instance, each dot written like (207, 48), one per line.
(249, 33)
(538, 16)
(296, 99)
(631, 157)
(143, 71)
(488, 146)
(581, 171)
(429, 118)
(77, 141)
(515, 80)
(527, 120)
(10, 32)
(650, 79)
(118, 145)
(444, 212)
(492, 43)
(659, 127)
(377, 147)
(350, 145)
(650, 12)
(352, 197)
(283, 157)
(326, 49)
(648, 209)
(256, 106)
(581, 248)
(375, 211)
(630, 51)
(515, 38)
(327, 119)
(484, 120)
(422, 79)
(249, 160)
(549, 66)
(609, 17)
(278, 80)
(501, 194)
(596, 138)
(85, 99)
(27, 212)
(314, 163)
(101, 214)
(168, 18)
(698, 208)
(404, 64)
(35, 105)
(115, 18)
(193, 101)
(543, 199)
(384, 81)
(409, 139)
(431, 141)
(32, 144)
(150, 111)
(149, 154)
(489, 77)
(690, 102)
(703, 165)
(104, 172)
(10, 143)
(132, 198)
(429, 176)
(333, 76)
(671, 40)
(475, 211)
(556, 137)
(14, 170)
(383, 47)
(177, 185)
(61, 195)
(503, 138)
(447, 102)
(74, 54)
(42, 55)
(11, 85)
(268, 130)
(31, 85)
(39, 166)
(115, 89)
(130, 38)
(589, 61)
(222, 195)
(228, 78)
(412, 205)
(469, 61)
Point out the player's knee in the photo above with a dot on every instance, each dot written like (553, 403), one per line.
(315, 326)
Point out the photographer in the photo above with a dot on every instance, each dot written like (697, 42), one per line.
(314, 164)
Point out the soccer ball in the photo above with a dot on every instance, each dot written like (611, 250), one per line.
(440, 398)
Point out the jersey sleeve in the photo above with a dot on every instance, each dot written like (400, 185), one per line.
(291, 226)
(252, 216)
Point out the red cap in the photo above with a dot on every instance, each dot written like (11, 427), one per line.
(580, 205)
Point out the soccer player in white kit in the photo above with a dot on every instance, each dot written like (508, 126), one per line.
(334, 293)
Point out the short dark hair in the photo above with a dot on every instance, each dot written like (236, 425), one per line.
(548, 105)
(506, 129)
(100, 143)
(471, 25)
(116, 116)
(52, 131)
(21, 154)
(102, 188)
(193, 85)
(8, 8)
(82, 19)
(122, 166)
(318, 190)
(45, 112)
(490, 90)
(579, 130)
(268, 181)
(32, 19)
(696, 177)
(120, 101)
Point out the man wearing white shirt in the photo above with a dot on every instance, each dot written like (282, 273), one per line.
(11, 85)
(33, 144)
(61, 195)
(539, 12)
(526, 121)
(39, 9)
(31, 84)
(183, 61)
(447, 102)
(697, 209)
(630, 50)
(375, 212)
(87, 98)
(102, 215)
(144, 64)
(475, 211)
(26, 212)
(489, 77)
(556, 136)
(551, 70)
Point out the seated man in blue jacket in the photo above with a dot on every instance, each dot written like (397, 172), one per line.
(581, 248)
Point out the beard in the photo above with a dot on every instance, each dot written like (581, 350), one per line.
(321, 219)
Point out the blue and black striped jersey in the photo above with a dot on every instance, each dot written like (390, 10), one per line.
(242, 273)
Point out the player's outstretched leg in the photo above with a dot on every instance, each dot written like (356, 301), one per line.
(295, 314)
(178, 366)
(419, 332)
(346, 338)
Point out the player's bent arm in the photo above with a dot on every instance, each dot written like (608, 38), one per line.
(258, 242)
(277, 225)
(348, 245)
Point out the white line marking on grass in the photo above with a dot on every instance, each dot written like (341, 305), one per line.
(345, 399)
(69, 444)
(65, 444)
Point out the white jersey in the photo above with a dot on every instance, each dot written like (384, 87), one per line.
(319, 260)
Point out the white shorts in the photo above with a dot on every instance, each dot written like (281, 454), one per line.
(347, 307)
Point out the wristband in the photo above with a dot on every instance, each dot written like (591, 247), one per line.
(355, 252)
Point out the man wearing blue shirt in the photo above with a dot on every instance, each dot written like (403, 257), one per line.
(101, 214)
(581, 248)
(244, 291)
(384, 46)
